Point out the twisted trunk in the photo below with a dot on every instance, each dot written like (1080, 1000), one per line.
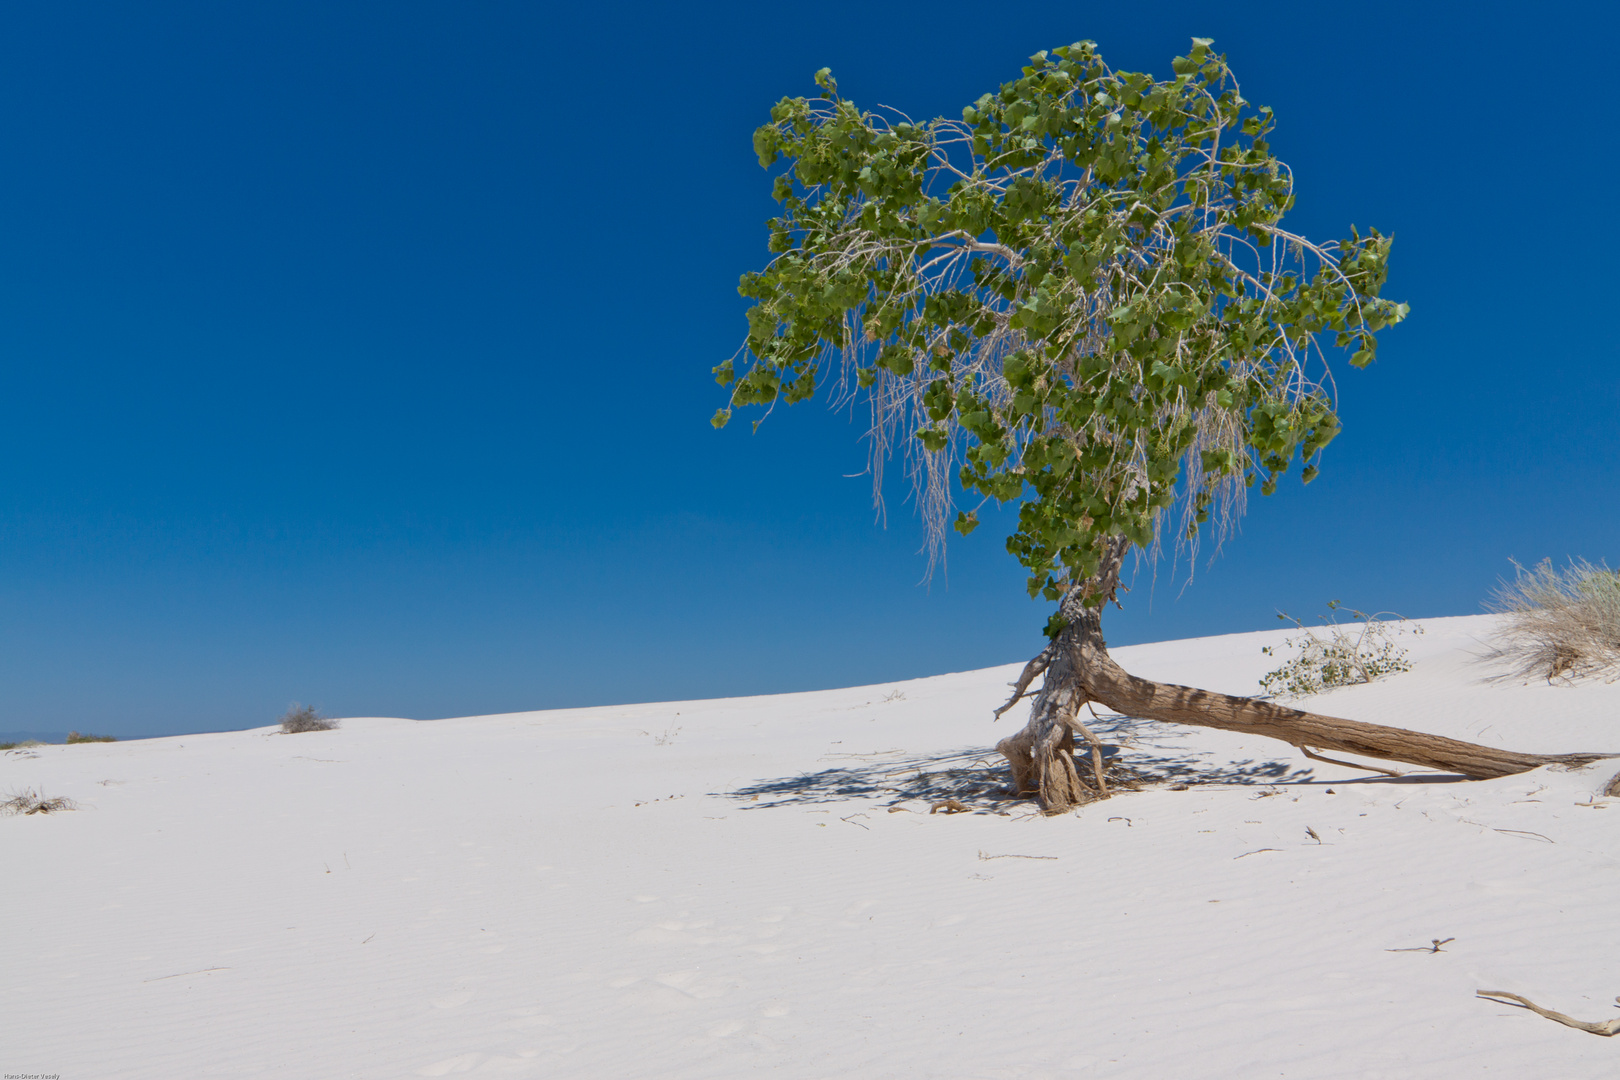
(1078, 669)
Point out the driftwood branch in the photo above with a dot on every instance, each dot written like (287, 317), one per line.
(1606, 1027)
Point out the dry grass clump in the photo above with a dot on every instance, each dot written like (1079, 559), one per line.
(75, 737)
(24, 745)
(303, 718)
(29, 801)
(1559, 623)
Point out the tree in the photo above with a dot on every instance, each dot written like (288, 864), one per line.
(1081, 298)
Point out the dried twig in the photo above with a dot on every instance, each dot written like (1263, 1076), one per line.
(1256, 851)
(986, 857)
(1606, 1027)
(1526, 833)
(1347, 764)
(1432, 947)
(183, 974)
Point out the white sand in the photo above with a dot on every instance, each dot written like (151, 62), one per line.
(584, 894)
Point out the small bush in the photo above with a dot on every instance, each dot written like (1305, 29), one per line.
(24, 745)
(29, 801)
(1559, 623)
(75, 737)
(1342, 658)
(303, 718)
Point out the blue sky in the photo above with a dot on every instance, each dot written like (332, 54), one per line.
(357, 354)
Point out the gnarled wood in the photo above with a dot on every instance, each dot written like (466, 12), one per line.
(1042, 755)
(1080, 669)
(1027, 676)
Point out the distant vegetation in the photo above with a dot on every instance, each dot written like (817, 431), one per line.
(299, 718)
(75, 737)
(1559, 623)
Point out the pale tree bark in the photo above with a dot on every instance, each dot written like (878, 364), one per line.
(1077, 669)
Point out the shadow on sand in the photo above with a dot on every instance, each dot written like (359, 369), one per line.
(1137, 754)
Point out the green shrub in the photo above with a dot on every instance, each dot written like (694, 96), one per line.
(1349, 654)
(75, 737)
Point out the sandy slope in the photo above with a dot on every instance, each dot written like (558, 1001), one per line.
(716, 889)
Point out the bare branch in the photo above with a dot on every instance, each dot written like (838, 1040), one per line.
(1031, 669)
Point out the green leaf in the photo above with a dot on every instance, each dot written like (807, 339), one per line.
(1120, 303)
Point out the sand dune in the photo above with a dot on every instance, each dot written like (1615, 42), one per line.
(728, 888)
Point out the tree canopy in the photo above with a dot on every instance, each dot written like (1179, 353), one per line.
(1080, 297)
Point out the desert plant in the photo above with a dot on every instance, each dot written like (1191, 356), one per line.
(24, 745)
(1348, 655)
(29, 801)
(299, 718)
(1558, 623)
(1079, 297)
(75, 737)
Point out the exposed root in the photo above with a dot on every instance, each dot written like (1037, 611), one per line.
(1605, 1027)
(1096, 756)
(1042, 765)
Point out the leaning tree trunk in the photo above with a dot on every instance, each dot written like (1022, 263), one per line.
(1078, 669)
